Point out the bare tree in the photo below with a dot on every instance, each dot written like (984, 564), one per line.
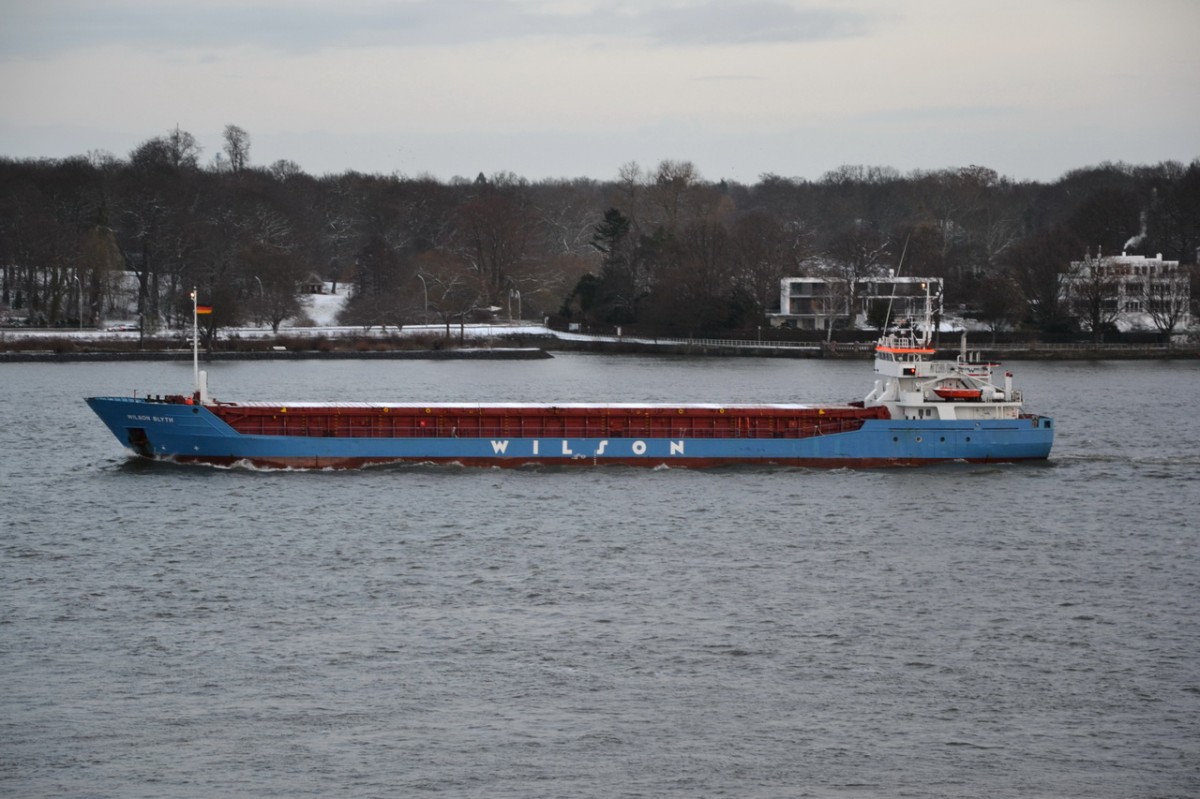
(274, 276)
(674, 182)
(836, 303)
(694, 286)
(764, 251)
(493, 235)
(182, 149)
(100, 262)
(451, 287)
(381, 293)
(567, 212)
(1092, 289)
(1036, 265)
(154, 207)
(1001, 303)
(629, 194)
(1167, 299)
(963, 206)
(237, 147)
(285, 168)
(1174, 218)
(1108, 218)
(857, 251)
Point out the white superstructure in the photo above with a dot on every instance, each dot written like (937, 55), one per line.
(912, 386)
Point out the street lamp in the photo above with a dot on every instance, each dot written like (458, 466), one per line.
(262, 299)
(80, 282)
(425, 290)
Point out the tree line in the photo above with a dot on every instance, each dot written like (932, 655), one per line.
(658, 249)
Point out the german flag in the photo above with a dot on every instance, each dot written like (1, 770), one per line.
(203, 309)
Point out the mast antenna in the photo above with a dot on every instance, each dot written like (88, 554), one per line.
(887, 319)
(195, 345)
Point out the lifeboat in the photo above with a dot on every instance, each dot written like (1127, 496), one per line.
(947, 393)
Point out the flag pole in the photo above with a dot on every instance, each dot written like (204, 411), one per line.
(195, 345)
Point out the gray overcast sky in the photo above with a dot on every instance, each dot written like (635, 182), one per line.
(570, 88)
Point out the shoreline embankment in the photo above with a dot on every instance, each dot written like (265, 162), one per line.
(502, 352)
(493, 343)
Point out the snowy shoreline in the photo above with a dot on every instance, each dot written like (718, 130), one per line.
(466, 353)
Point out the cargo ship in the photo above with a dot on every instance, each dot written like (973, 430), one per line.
(920, 411)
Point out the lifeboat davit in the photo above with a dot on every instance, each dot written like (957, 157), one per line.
(947, 393)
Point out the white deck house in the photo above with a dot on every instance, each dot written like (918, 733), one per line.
(1136, 292)
(815, 303)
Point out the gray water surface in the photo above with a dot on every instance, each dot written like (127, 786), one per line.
(998, 631)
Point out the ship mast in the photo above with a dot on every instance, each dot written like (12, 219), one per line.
(199, 379)
(928, 324)
(195, 345)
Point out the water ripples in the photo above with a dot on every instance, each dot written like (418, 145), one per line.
(964, 630)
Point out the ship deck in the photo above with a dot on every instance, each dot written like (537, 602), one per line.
(538, 420)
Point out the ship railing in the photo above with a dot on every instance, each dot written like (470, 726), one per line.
(903, 342)
(729, 342)
(1034, 346)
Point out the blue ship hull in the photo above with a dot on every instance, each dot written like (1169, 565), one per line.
(193, 433)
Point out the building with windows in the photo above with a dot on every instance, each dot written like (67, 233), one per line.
(1133, 292)
(818, 303)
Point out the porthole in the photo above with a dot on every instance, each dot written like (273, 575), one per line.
(919, 439)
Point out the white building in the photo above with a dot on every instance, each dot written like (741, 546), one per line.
(1134, 291)
(816, 303)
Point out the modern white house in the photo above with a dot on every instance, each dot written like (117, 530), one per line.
(1134, 292)
(817, 303)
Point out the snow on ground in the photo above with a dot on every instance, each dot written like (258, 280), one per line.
(323, 309)
(472, 330)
